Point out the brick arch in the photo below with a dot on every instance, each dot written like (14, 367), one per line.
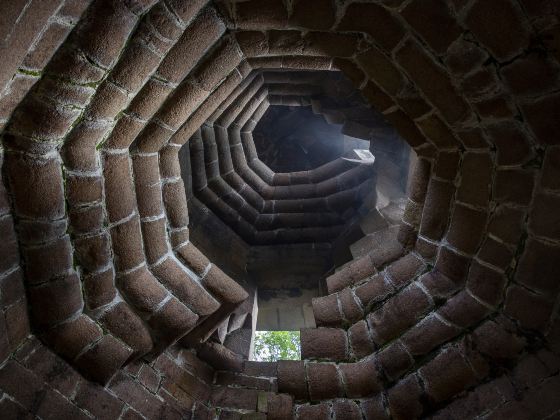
(91, 163)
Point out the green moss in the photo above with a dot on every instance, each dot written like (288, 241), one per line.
(30, 72)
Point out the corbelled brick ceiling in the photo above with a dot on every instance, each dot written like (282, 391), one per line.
(107, 308)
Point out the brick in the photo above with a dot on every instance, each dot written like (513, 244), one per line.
(14, 93)
(434, 21)
(446, 165)
(223, 287)
(360, 339)
(463, 310)
(142, 289)
(97, 400)
(463, 56)
(404, 399)
(494, 341)
(53, 406)
(446, 375)
(538, 116)
(323, 343)
(154, 234)
(22, 384)
(94, 252)
(326, 311)
(452, 265)
(466, 229)
(495, 253)
(432, 80)
(358, 17)
(542, 71)
(358, 270)
(53, 370)
(427, 335)
(506, 224)
(123, 323)
(268, 14)
(181, 104)
(551, 169)
(374, 291)
(537, 268)
(351, 309)
(317, 411)
(398, 313)
(513, 186)
(514, 147)
(331, 45)
(11, 288)
(198, 36)
(346, 410)
(55, 301)
(480, 84)
(498, 107)
(176, 204)
(146, 102)
(314, 14)
(476, 177)
(135, 395)
(436, 209)
(543, 220)
(376, 97)
(488, 22)
(9, 246)
(360, 379)
(486, 284)
(189, 291)
(373, 409)
(127, 244)
(234, 398)
(108, 101)
(324, 382)
(36, 185)
(17, 323)
(48, 261)
(104, 359)
(394, 360)
(193, 258)
(381, 70)
(70, 338)
(291, 378)
(531, 310)
(135, 65)
(81, 190)
(404, 270)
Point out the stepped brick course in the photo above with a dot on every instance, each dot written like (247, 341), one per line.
(109, 310)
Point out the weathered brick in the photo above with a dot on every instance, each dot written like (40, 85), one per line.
(499, 26)
(466, 229)
(324, 381)
(394, 360)
(323, 343)
(404, 399)
(313, 14)
(486, 284)
(531, 310)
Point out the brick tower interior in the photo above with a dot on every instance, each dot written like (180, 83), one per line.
(382, 175)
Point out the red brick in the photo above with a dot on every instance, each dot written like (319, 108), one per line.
(323, 343)
(539, 116)
(135, 395)
(531, 74)
(234, 398)
(506, 223)
(398, 313)
(428, 334)
(55, 301)
(326, 311)
(492, 24)
(358, 18)
(54, 406)
(436, 209)
(513, 144)
(463, 310)
(513, 186)
(381, 70)
(346, 410)
(360, 378)
(432, 80)
(405, 399)
(313, 14)
(22, 384)
(531, 310)
(317, 411)
(551, 169)
(476, 177)
(127, 244)
(97, 400)
(493, 340)
(394, 360)
(467, 228)
(17, 323)
(538, 267)
(360, 339)
(434, 21)
(291, 378)
(543, 219)
(486, 284)
(446, 375)
(463, 56)
(495, 253)
(324, 382)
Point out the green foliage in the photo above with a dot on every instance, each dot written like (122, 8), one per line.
(271, 346)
